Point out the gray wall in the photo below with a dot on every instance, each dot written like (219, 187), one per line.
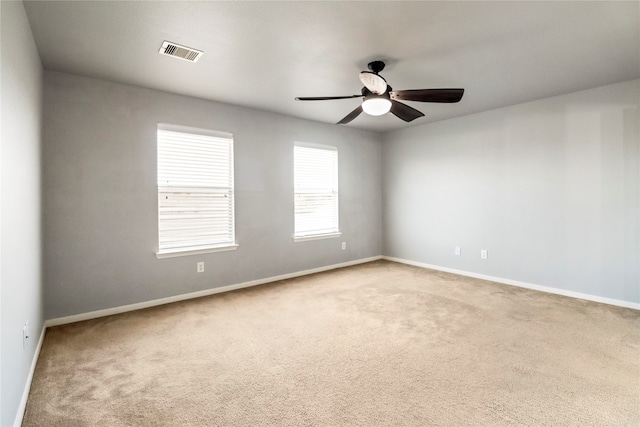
(100, 227)
(550, 188)
(20, 271)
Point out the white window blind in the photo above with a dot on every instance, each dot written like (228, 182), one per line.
(195, 190)
(315, 190)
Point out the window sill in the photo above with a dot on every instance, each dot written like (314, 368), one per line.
(184, 252)
(316, 237)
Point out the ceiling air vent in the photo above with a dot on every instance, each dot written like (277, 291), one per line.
(181, 52)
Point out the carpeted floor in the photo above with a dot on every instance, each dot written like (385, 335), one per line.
(379, 344)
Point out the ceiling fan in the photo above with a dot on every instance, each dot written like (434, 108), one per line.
(380, 98)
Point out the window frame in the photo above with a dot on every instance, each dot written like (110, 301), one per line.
(195, 248)
(300, 237)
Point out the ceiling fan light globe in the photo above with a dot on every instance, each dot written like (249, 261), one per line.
(376, 106)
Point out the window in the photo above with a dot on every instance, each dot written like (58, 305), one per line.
(315, 171)
(195, 191)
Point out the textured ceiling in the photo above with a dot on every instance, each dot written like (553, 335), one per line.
(263, 54)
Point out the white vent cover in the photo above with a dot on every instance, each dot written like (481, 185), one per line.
(181, 52)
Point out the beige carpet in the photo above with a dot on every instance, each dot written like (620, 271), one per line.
(380, 344)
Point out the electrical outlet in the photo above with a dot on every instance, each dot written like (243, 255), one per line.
(25, 335)
(344, 245)
(484, 254)
(457, 250)
(200, 267)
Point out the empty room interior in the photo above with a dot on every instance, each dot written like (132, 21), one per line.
(321, 213)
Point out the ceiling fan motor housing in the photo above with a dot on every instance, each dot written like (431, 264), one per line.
(368, 94)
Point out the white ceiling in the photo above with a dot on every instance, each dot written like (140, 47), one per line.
(262, 54)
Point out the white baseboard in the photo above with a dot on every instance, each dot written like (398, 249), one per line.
(206, 292)
(146, 304)
(557, 291)
(25, 394)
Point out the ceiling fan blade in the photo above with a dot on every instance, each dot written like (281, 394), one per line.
(372, 81)
(352, 115)
(325, 98)
(428, 95)
(404, 112)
